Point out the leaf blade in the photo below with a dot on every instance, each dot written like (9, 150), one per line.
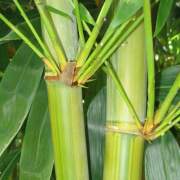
(17, 90)
(163, 14)
(37, 141)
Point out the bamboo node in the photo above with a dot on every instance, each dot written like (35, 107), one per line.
(66, 76)
(124, 128)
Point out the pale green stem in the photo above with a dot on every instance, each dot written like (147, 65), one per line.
(161, 112)
(52, 32)
(150, 61)
(95, 32)
(110, 71)
(39, 40)
(79, 23)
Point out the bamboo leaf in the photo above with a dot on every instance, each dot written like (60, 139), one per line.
(85, 15)
(162, 159)
(17, 90)
(125, 10)
(163, 14)
(10, 160)
(96, 118)
(59, 12)
(23, 28)
(37, 154)
(164, 82)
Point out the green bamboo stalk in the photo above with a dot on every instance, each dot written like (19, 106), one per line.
(66, 107)
(68, 132)
(52, 32)
(63, 25)
(124, 151)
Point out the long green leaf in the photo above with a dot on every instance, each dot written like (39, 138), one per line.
(164, 82)
(36, 161)
(17, 90)
(96, 118)
(162, 159)
(10, 161)
(163, 14)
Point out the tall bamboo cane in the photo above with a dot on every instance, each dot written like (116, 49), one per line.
(124, 146)
(65, 104)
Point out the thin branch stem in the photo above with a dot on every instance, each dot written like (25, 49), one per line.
(52, 32)
(168, 100)
(102, 57)
(110, 71)
(95, 32)
(79, 23)
(168, 119)
(165, 129)
(39, 40)
(102, 47)
(150, 61)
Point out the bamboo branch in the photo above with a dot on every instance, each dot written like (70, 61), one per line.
(165, 129)
(110, 71)
(89, 44)
(150, 61)
(167, 102)
(102, 47)
(102, 57)
(79, 23)
(27, 41)
(39, 40)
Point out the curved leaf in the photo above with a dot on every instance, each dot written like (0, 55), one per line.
(17, 91)
(163, 14)
(37, 154)
(125, 10)
(162, 159)
(85, 14)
